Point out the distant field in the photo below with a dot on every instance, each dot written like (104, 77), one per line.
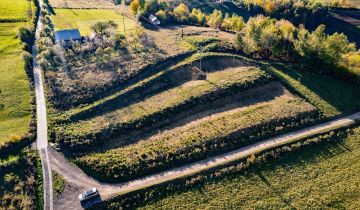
(83, 19)
(322, 176)
(13, 10)
(82, 3)
(15, 98)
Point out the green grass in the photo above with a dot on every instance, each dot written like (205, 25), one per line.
(14, 85)
(331, 96)
(13, 9)
(82, 19)
(316, 177)
(59, 183)
(225, 128)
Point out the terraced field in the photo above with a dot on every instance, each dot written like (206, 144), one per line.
(179, 115)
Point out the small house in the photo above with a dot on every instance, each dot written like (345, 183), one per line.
(154, 20)
(65, 36)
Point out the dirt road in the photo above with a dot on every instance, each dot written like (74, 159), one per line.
(42, 140)
(80, 181)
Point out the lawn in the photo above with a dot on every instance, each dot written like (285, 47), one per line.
(14, 10)
(316, 177)
(83, 19)
(15, 97)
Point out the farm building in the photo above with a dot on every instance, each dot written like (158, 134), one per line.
(67, 35)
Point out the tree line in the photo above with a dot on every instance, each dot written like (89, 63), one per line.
(269, 38)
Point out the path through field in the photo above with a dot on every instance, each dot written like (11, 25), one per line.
(79, 181)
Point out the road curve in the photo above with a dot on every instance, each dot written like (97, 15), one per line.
(42, 140)
(75, 176)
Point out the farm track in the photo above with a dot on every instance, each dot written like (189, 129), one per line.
(76, 177)
(42, 140)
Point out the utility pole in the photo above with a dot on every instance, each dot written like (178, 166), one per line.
(123, 22)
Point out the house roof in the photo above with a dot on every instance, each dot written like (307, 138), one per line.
(67, 35)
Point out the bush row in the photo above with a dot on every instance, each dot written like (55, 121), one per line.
(201, 150)
(140, 197)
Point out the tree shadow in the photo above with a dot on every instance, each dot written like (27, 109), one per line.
(345, 21)
(343, 96)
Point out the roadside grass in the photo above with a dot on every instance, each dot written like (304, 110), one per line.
(13, 10)
(59, 183)
(323, 176)
(239, 126)
(15, 96)
(83, 19)
(18, 181)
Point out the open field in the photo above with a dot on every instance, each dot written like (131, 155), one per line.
(323, 176)
(172, 93)
(83, 19)
(238, 126)
(96, 4)
(217, 120)
(13, 10)
(15, 97)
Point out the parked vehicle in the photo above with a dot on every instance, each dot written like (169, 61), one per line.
(88, 194)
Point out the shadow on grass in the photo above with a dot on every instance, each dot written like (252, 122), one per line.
(343, 96)
(345, 21)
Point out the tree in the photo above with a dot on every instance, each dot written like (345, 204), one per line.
(134, 6)
(161, 14)
(152, 6)
(233, 23)
(104, 29)
(215, 19)
(181, 13)
(198, 17)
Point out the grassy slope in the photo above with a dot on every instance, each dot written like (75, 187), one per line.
(222, 127)
(330, 95)
(15, 96)
(84, 18)
(320, 177)
(13, 9)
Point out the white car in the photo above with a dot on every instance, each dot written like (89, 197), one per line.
(88, 194)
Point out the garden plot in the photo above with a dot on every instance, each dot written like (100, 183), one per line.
(83, 19)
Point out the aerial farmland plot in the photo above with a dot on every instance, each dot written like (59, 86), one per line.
(83, 19)
(156, 103)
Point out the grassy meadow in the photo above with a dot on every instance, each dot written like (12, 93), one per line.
(83, 19)
(315, 177)
(14, 10)
(15, 96)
